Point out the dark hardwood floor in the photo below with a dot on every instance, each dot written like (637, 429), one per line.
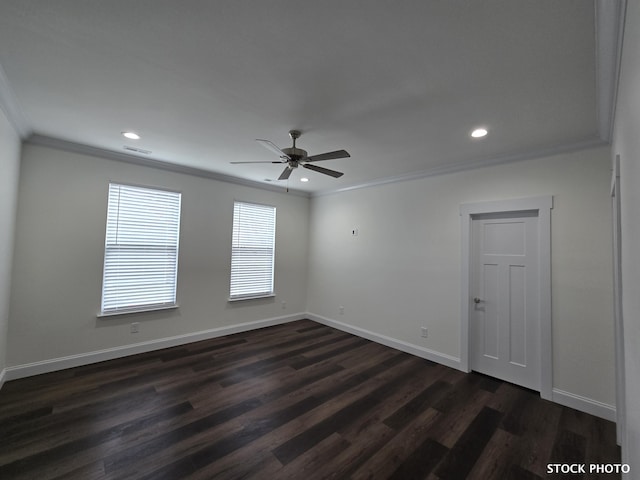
(295, 401)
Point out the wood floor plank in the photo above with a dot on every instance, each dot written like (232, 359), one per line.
(497, 457)
(359, 452)
(421, 461)
(303, 441)
(463, 455)
(537, 435)
(410, 410)
(570, 447)
(453, 423)
(336, 386)
(388, 459)
(69, 449)
(55, 428)
(293, 401)
(313, 463)
(394, 402)
(92, 471)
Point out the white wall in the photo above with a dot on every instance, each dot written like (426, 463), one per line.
(60, 246)
(9, 171)
(627, 144)
(402, 271)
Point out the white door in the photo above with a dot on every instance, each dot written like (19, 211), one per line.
(505, 318)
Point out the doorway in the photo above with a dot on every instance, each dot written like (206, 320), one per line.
(506, 291)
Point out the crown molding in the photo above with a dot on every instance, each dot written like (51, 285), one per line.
(609, 25)
(59, 144)
(472, 165)
(11, 107)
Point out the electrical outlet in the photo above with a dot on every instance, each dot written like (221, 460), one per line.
(424, 332)
(341, 309)
(284, 305)
(135, 327)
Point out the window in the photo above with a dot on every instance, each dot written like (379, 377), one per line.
(141, 249)
(252, 250)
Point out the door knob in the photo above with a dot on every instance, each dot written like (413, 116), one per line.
(476, 300)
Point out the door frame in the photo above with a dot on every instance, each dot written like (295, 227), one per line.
(621, 407)
(542, 205)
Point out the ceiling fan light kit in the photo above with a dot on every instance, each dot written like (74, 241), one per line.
(295, 157)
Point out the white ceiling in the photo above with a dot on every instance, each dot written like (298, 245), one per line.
(399, 84)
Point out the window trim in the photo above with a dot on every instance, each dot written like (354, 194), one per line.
(250, 297)
(148, 307)
(254, 296)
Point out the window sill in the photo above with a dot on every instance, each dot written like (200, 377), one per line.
(251, 297)
(150, 308)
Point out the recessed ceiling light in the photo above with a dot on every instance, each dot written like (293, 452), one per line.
(304, 179)
(131, 135)
(479, 133)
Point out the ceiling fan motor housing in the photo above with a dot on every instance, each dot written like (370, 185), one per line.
(295, 153)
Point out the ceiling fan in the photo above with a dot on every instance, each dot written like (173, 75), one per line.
(295, 157)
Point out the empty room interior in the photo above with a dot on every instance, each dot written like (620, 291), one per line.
(339, 239)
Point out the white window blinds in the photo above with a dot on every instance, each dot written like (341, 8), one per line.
(252, 250)
(141, 249)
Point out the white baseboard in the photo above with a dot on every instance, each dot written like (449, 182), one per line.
(584, 404)
(416, 350)
(577, 402)
(46, 366)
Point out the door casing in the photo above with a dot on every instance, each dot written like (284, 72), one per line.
(621, 407)
(543, 206)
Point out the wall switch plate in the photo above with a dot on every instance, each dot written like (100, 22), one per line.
(424, 332)
(135, 327)
(354, 232)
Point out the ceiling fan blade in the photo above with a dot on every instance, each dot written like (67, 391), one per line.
(326, 171)
(286, 173)
(237, 163)
(273, 147)
(328, 156)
